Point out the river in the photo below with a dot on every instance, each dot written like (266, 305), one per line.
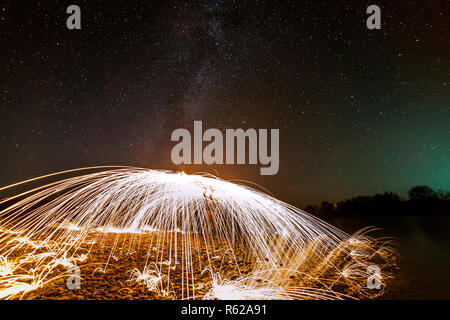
(423, 244)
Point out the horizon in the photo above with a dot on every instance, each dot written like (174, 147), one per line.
(358, 110)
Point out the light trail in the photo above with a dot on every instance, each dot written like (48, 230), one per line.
(191, 223)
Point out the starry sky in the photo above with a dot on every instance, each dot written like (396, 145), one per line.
(359, 111)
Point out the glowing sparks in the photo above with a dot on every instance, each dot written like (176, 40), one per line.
(152, 277)
(192, 223)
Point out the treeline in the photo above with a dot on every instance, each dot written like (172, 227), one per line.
(422, 200)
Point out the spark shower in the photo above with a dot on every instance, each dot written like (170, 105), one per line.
(191, 226)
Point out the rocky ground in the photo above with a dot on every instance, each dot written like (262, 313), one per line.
(113, 267)
(113, 274)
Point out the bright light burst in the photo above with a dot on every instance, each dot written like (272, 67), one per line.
(191, 223)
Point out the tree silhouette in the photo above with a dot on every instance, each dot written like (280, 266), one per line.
(421, 193)
(422, 200)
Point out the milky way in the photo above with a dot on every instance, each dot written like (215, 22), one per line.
(359, 111)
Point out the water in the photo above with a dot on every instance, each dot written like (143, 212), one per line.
(424, 248)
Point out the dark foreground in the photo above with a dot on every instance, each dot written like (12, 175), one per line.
(424, 249)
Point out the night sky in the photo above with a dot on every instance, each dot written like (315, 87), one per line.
(359, 111)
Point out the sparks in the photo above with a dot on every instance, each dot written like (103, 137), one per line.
(192, 223)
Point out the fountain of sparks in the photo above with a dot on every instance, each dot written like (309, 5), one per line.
(195, 227)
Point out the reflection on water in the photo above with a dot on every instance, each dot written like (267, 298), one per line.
(424, 248)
